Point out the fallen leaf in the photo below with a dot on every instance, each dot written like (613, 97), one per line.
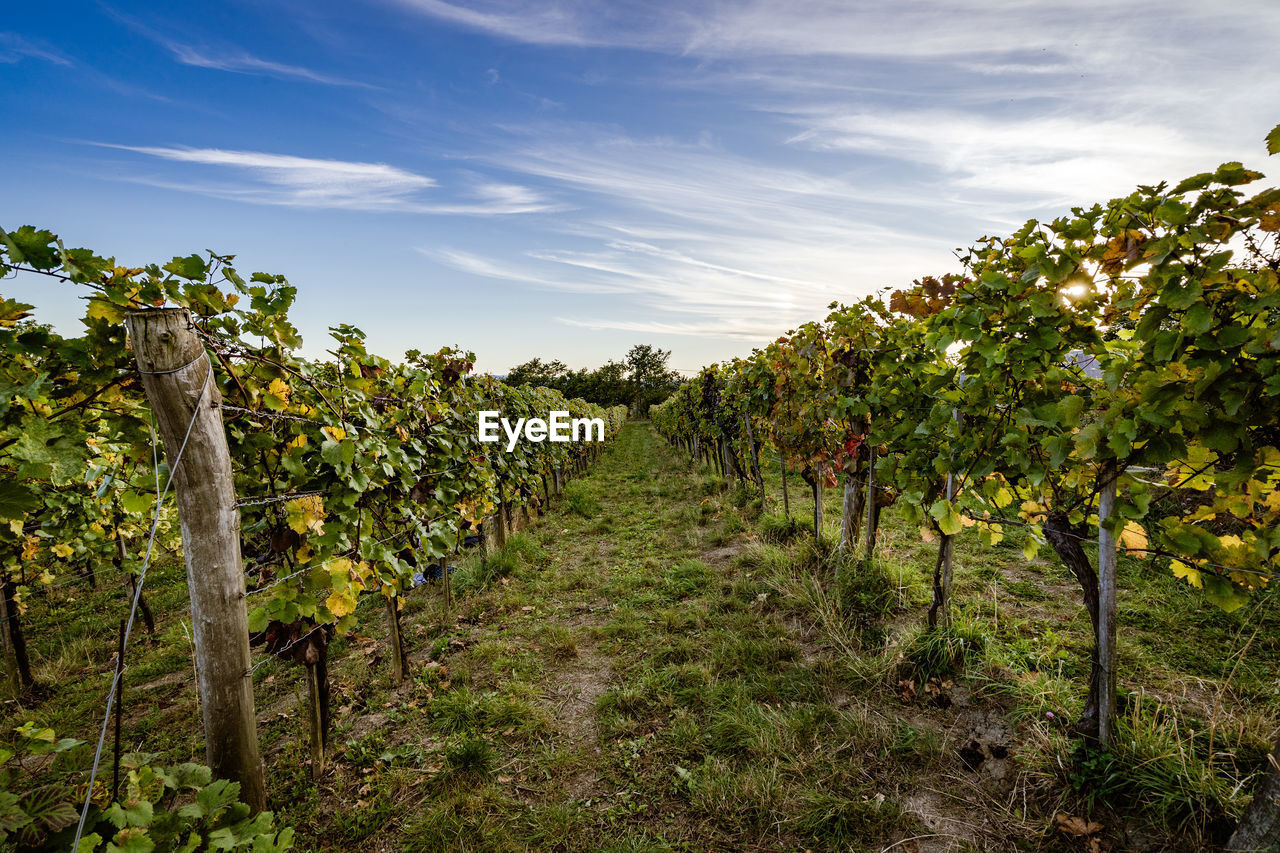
(1073, 825)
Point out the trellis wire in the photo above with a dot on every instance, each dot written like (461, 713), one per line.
(137, 594)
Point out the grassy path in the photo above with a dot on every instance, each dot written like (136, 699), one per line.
(620, 678)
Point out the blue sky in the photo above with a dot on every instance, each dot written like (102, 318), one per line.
(565, 179)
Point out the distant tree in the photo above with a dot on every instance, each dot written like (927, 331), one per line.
(641, 379)
(651, 380)
(535, 371)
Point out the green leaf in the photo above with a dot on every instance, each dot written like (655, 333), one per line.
(259, 618)
(191, 267)
(948, 519)
(1199, 318)
(89, 843)
(1223, 594)
(131, 842)
(16, 500)
(1273, 140)
(137, 503)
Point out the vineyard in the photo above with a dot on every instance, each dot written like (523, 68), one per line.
(824, 597)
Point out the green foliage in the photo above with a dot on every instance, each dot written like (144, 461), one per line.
(1123, 338)
(180, 808)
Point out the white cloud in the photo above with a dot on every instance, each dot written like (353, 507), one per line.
(13, 48)
(243, 63)
(292, 181)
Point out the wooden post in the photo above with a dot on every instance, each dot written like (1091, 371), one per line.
(786, 499)
(817, 503)
(504, 509)
(755, 458)
(176, 373)
(14, 643)
(1106, 608)
(940, 610)
(318, 705)
(849, 509)
(397, 640)
(871, 500)
(446, 583)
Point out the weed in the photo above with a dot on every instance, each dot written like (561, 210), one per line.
(780, 529)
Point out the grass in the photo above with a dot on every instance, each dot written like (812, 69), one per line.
(666, 661)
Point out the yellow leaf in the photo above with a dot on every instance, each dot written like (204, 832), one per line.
(1190, 573)
(63, 550)
(101, 309)
(306, 513)
(992, 534)
(1230, 541)
(340, 604)
(279, 388)
(1134, 540)
(298, 441)
(335, 433)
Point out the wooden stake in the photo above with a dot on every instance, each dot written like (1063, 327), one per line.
(318, 705)
(397, 640)
(1106, 608)
(14, 645)
(817, 503)
(871, 501)
(940, 609)
(786, 499)
(176, 373)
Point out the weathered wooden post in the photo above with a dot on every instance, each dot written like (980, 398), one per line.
(755, 459)
(871, 500)
(445, 583)
(1106, 608)
(786, 499)
(179, 382)
(940, 609)
(397, 640)
(817, 503)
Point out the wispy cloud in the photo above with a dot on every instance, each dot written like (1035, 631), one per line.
(224, 58)
(292, 181)
(700, 242)
(14, 48)
(870, 139)
(1033, 161)
(243, 63)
